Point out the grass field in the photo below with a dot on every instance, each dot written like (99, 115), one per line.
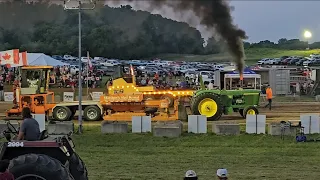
(252, 55)
(132, 156)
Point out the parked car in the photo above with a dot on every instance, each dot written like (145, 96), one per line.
(308, 62)
(276, 61)
(315, 62)
(300, 62)
(285, 61)
(293, 61)
(263, 61)
(207, 76)
(57, 57)
(69, 58)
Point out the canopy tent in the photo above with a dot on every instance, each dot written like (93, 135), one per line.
(247, 74)
(40, 59)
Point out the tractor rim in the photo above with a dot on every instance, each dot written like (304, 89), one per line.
(251, 112)
(92, 113)
(61, 113)
(208, 107)
(30, 177)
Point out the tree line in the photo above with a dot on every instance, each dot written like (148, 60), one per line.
(283, 43)
(109, 32)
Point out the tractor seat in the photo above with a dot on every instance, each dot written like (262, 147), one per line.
(43, 135)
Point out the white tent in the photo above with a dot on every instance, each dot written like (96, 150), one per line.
(40, 59)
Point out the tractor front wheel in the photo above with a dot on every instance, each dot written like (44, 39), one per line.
(38, 166)
(207, 104)
(251, 110)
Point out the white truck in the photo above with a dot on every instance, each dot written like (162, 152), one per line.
(207, 76)
(110, 62)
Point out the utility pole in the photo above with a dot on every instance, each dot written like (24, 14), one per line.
(79, 8)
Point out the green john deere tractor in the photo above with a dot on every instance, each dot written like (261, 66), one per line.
(214, 103)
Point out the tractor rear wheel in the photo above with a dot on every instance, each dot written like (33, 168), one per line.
(77, 167)
(38, 166)
(92, 113)
(251, 110)
(62, 113)
(209, 105)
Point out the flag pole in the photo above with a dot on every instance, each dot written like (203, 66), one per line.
(88, 75)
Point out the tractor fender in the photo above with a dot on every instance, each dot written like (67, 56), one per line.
(84, 103)
(197, 93)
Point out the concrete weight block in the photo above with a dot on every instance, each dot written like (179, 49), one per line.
(275, 129)
(114, 127)
(168, 129)
(60, 128)
(226, 129)
(197, 124)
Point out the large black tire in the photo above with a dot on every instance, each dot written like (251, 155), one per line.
(77, 168)
(92, 113)
(197, 100)
(61, 109)
(40, 165)
(248, 109)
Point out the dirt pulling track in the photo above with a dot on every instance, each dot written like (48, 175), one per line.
(280, 111)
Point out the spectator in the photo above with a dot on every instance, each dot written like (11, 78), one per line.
(210, 85)
(178, 82)
(29, 129)
(143, 82)
(222, 174)
(269, 96)
(1, 91)
(191, 175)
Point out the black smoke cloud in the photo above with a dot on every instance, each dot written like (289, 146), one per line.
(214, 15)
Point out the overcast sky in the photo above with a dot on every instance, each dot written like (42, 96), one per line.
(272, 20)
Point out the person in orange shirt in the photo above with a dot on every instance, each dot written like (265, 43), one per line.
(269, 96)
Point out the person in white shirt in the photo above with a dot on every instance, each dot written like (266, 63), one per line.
(210, 85)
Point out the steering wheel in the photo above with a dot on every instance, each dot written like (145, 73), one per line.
(11, 128)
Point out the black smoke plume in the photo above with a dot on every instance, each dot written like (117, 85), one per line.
(215, 15)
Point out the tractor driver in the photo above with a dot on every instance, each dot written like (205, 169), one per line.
(29, 129)
(33, 80)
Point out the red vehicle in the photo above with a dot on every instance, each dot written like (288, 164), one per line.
(286, 61)
(55, 155)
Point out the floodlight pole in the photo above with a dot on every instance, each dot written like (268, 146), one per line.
(80, 75)
(79, 8)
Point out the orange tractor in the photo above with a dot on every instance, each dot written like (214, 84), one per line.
(33, 91)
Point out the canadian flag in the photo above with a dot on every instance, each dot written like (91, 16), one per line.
(9, 57)
(23, 59)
